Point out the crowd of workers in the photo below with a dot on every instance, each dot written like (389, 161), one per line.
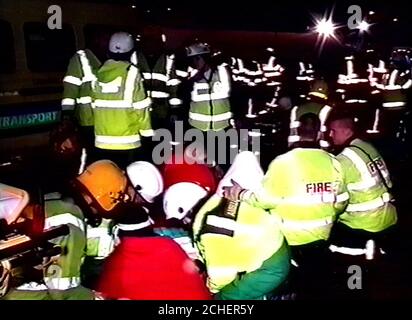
(195, 229)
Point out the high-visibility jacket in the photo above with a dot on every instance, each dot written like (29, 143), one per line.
(354, 86)
(238, 69)
(62, 274)
(394, 90)
(120, 107)
(321, 109)
(377, 73)
(210, 106)
(272, 72)
(369, 205)
(305, 187)
(161, 83)
(100, 241)
(245, 255)
(305, 78)
(78, 86)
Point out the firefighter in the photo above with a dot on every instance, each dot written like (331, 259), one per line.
(305, 188)
(120, 104)
(143, 265)
(396, 90)
(210, 87)
(244, 250)
(304, 79)
(77, 95)
(355, 90)
(377, 73)
(370, 214)
(160, 79)
(188, 186)
(60, 278)
(316, 103)
(398, 82)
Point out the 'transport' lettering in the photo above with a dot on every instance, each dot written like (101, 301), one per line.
(11, 122)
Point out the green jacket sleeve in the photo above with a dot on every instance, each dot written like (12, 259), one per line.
(261, 283)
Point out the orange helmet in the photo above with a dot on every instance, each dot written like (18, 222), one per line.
(106, 183)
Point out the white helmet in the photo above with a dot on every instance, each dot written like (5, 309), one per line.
(12, 202)
(180, 198)
(197, 49)
(245, 170)
(146, 179)
(121, 42)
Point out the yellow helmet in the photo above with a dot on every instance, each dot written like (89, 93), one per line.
(106, 183)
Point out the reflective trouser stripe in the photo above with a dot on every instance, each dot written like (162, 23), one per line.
(394, 104)
(368, 251)
(175, 102)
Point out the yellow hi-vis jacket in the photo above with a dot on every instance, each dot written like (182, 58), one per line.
(161, 83)
(369, 205)
(305, 187)
(120, 107)
(322, 110)
(77, 84)
(210, 106)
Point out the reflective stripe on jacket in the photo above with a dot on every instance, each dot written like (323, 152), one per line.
(120, 107)
(210, 106)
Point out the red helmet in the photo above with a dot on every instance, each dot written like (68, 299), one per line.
(178, 170)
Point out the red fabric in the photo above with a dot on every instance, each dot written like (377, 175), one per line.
(151, 268)
(174, 172)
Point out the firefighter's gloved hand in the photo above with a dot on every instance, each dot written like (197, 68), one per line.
(233, 192)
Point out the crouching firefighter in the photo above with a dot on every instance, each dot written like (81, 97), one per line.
(44, 251)
(245, 253)
(143, 265)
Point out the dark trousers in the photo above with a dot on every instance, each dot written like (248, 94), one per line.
(311, 278)
(87, 139)
(375, 275)
(123, 157)
(344, 236)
